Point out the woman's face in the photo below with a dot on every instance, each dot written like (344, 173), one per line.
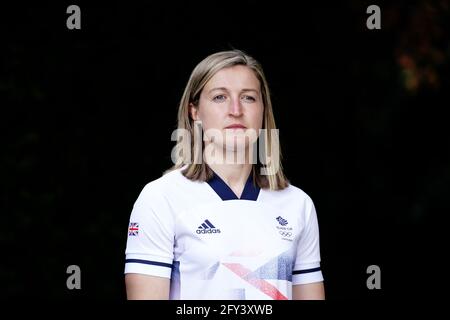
(231, 102)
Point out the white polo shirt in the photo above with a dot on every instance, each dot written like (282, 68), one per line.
(213, 245)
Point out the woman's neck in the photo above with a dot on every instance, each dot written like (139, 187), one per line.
(235, 175)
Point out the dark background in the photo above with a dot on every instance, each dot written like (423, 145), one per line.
(87, 115)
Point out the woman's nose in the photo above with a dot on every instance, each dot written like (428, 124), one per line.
(235, 107)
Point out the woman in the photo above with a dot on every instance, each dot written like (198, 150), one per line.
(227, 225)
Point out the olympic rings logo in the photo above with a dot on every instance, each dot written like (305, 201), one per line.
(285, 234)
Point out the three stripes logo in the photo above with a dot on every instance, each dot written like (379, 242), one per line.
(207, 227)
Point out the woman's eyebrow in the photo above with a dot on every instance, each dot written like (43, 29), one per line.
(225, 89)
(254, 90)
(220, 88)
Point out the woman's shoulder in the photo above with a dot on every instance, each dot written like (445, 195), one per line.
(293, 191)
(172, 190)
(165, 183)
(290, 195)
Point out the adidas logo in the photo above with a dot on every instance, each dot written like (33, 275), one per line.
(207, 227)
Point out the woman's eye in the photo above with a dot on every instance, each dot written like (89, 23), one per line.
(249, 98)
(219, 98)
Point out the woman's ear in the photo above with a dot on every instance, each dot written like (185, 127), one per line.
(193, 111)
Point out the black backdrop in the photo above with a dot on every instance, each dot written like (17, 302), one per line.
(87, 115)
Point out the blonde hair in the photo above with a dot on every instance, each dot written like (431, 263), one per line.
(202, 73)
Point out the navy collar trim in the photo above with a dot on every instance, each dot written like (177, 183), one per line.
(250, 191)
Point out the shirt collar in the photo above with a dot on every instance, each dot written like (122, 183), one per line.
(250, 191)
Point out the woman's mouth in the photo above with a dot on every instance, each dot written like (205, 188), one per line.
(236, 126)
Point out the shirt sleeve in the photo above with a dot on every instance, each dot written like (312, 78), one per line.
(307, 263)
(150, 235)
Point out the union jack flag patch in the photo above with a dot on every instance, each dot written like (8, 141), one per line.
(133, 229)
